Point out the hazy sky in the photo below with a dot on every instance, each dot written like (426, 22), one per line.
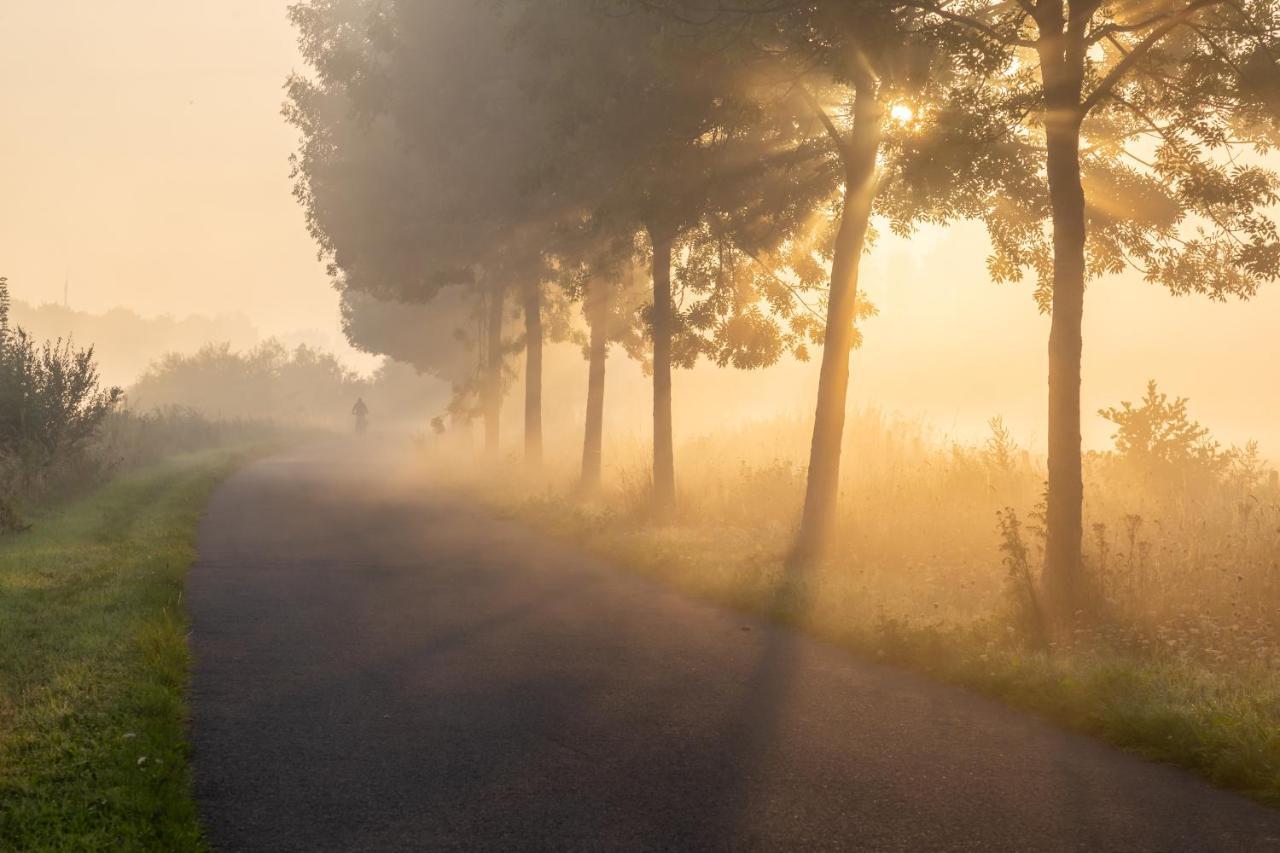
(143, 150)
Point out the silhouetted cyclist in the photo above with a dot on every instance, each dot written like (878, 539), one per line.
(361, 411)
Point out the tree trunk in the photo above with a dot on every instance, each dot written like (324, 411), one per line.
(492, 393)
(533, 375)
(859, 158)
(597, 308)
(1063, 575)
(664, 466)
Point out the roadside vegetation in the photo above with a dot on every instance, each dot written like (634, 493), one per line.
(94, 661)
(62, 432)
(299, 388)
(935, 569)
(98, 513)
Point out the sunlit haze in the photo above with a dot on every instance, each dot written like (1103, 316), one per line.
(145, 160)
(592, 425)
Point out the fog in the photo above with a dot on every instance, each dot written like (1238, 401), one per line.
(146, 161)
(911, 332)
(952, 349)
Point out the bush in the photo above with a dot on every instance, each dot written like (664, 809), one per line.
(62, 432)
(51, 405)
(129, 439)
(299, 387)
(302, 386)
(1160, 446)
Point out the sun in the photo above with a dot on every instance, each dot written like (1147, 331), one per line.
(902, 113)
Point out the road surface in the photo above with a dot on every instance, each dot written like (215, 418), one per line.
(378, 667)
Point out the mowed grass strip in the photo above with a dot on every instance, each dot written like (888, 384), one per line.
(94, 663)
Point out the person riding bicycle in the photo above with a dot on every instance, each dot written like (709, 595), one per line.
(361, 411)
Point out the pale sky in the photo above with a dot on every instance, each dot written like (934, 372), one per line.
(144, 152)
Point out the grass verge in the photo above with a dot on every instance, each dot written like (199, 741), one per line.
(1221, 722)
(94, 664)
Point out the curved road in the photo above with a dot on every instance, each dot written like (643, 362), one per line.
(380, 668)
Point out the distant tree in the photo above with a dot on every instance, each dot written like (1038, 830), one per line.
(268, 382)
(1158, 439)
(125, 342)
(441, 338)
(523, 261)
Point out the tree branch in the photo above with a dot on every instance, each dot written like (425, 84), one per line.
(973, 23)
(834, 132)
(1103, 89)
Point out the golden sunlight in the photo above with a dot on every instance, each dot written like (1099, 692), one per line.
(673, 425)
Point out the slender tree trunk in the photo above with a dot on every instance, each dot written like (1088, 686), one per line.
(664, 466)
(597, 306)
(859, 156)
(533, 374)
(492, 394)
(1063, 575)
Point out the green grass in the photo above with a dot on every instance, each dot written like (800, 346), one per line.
(1221, 722)
(94, 663)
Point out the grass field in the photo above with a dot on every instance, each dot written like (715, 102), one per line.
(94, 662)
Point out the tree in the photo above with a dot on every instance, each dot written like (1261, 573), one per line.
(1166, 95)
(462, 66)
(533, 372)
(400, 206)
(602, 275)
(379, 213)
(440, 338)
(660, 140)
(849, 72)
(1137, 115)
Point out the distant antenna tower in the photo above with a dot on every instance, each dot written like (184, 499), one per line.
(66, 290)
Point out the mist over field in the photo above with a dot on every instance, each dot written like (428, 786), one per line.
(358, 356)
(137, 218)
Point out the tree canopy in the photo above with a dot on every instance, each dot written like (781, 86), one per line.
(467, 156)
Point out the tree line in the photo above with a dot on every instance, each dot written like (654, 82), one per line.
(701, 179)
(62, 430)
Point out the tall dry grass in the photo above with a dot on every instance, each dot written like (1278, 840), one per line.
(937, 568)
(1181, 563)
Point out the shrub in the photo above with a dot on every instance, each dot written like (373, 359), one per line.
(51, 404)
(1159, 443)
(303, 386)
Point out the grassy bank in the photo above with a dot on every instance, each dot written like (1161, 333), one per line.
(93, 664)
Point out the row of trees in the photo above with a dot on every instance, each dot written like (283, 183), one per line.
(703, 178)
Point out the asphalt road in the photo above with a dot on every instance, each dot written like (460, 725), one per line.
(378, 667)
